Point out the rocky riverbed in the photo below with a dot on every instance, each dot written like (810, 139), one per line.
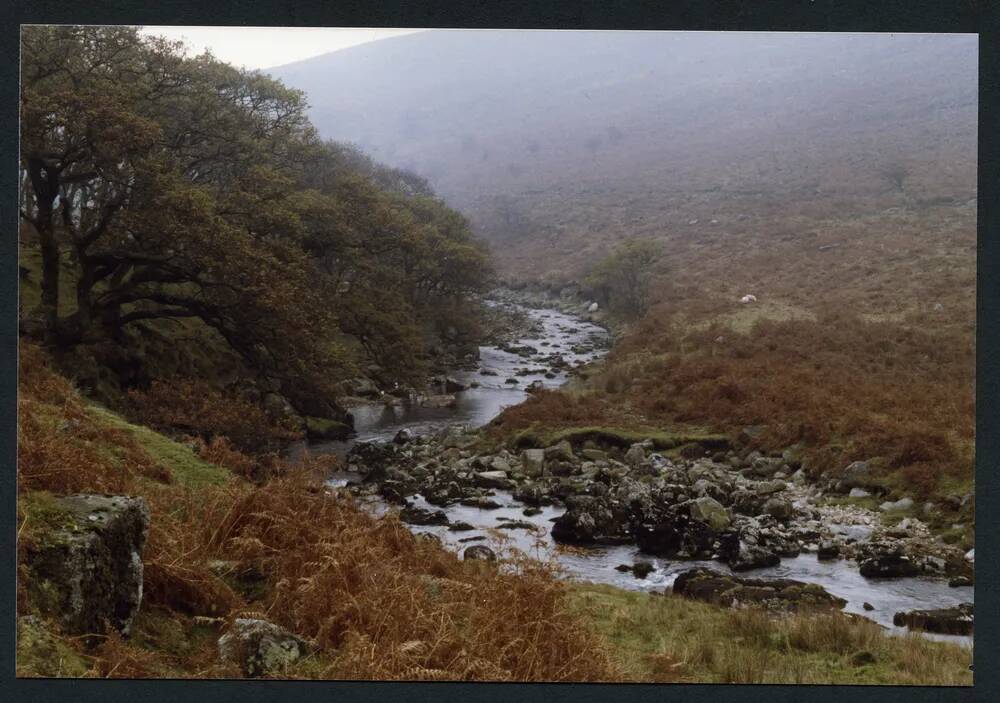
(639, 513)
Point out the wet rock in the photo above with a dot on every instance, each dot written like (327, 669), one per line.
(532, 494)
(530, 512)
(479, 552)
(960, 581)
(516, 525)
(460, 527)
(591, 520)
(946, 621)
(453, 386)
(421, 516)
(403, 436)
(642, 569)
(260, 647)
(868, 606)
(438, 401)
(743, 554)
(828, 551)
(888, 564)
(88, 569)
(482, 503)
(773, 594)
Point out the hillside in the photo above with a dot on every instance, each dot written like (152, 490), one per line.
(563, 142)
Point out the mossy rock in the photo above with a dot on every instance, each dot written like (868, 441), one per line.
(619, 438)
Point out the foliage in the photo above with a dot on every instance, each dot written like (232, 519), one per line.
(179, 188)
(375, 601)
(195, 407)
(622, 279)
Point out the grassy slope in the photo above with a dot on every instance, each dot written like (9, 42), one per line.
(666, 638)
(614, 634)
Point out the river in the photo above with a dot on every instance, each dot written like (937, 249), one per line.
(578, 341)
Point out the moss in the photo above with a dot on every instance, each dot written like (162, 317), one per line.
(186, 467)
(43, 653)
(617, 437)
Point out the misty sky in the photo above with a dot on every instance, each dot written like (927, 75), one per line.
(264, 47)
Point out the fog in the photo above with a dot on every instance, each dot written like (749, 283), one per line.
(511, 126)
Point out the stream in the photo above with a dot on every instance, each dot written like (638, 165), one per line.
(578, 341)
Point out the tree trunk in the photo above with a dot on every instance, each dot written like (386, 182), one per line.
(45, 183)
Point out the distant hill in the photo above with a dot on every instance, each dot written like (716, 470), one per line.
(562, 142)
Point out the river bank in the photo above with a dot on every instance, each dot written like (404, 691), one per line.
(600, 503)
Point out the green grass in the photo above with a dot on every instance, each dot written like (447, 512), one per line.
(668, 638)
(181, 460)
(42, 653)
(617, 437)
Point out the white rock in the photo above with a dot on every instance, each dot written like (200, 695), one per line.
(970, 555)
(593, 307)
(859, 493)
(748, 298)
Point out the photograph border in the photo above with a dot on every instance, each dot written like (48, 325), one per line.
(969, 16)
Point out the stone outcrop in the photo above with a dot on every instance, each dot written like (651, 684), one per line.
(260, 647)
(87, 569)
(772, 594)
(945, 621)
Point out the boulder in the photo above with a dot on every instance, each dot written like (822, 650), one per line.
(591, 454)
(592, 520)
(260, 647)
(778, 508)
(562, 451)
(642, 569)
(635, 455)
(901, 504)
(479, 552)
(403, 436)
(533, 462)
(709, 511)
(729, 591)
(438, 401)
(87, 565)
(751, 434)
(420, 516)
(945, 621)
(453, 386)
(492, 479)
(743, 554)
(889, 564)
(858, 475)
(828, 551)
